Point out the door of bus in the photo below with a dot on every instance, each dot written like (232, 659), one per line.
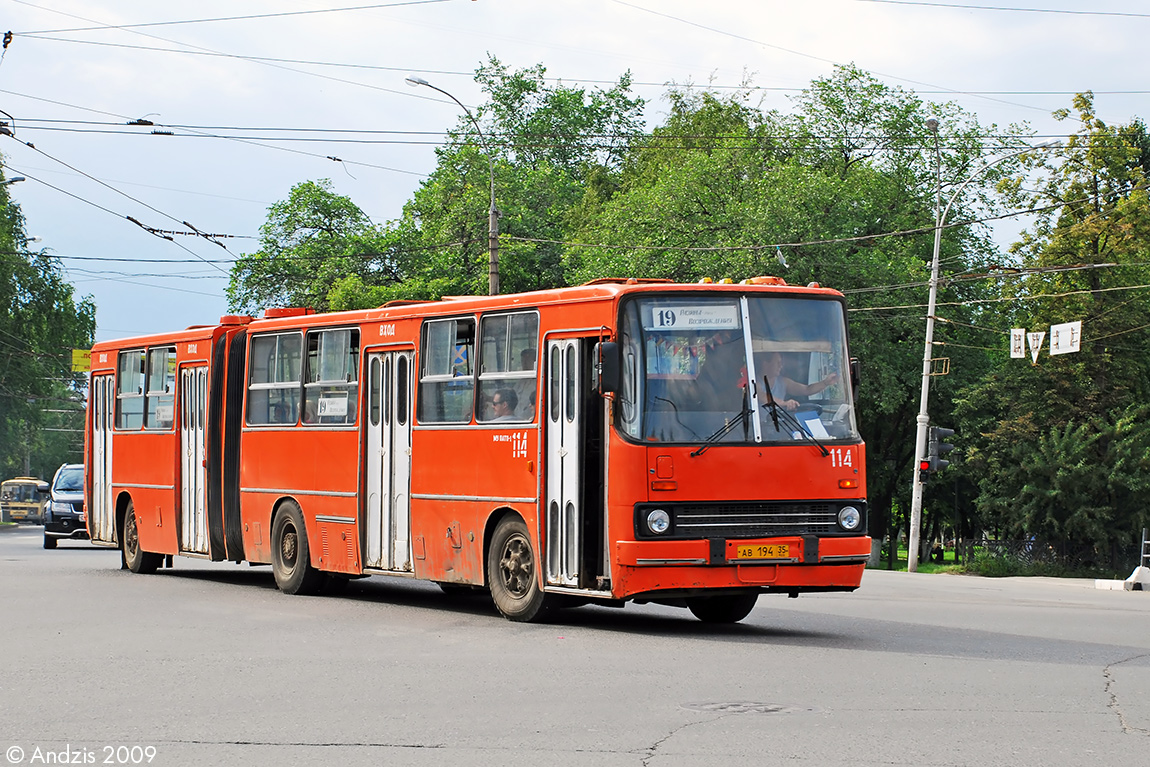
(564, 445)
(193, 467)
(102, 525)
(387, 455)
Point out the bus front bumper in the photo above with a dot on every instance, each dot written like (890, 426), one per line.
(791, 564)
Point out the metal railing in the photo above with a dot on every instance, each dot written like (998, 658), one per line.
(1071, 556)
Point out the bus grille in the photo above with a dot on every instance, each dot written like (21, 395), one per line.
(754, 520)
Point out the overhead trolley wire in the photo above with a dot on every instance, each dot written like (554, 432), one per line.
(930, 90)
(213, 20)
(1012, 9)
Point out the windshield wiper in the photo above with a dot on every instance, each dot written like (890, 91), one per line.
(742, 417)
(793, 422)
(801, 430)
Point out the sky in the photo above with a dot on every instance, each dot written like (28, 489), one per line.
(247, 98)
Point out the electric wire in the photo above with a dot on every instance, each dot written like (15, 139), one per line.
(112, 212)
(932, 91)
(1012, 9)
(249, 17)
(813, 57)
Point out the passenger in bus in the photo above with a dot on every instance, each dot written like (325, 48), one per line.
(784, 389)
(527, 359)
(503, 405)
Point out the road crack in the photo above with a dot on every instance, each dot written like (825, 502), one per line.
(1113, 704)
(650, 753)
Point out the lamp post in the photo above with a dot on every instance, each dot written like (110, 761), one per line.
(923, 419)
(492, 213)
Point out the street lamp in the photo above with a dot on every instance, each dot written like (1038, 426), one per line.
(492, 213)
(923, 419)
(13, 180)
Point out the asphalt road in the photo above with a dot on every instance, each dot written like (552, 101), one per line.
(208, 664)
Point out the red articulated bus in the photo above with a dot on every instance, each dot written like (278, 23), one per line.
(687, 444)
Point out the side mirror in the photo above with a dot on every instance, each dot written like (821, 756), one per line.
(605, 369)
(43, 487)
(855, 375)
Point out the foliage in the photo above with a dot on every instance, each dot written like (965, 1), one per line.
(1059, 449)
(40, 323)
(309, 241)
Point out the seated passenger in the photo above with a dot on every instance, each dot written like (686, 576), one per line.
(503, 405)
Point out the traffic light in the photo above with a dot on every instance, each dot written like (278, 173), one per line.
(938, 448)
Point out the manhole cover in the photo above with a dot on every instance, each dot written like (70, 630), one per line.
(744, 707)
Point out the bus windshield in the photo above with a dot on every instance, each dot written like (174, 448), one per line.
(735, 369)
(19, 491)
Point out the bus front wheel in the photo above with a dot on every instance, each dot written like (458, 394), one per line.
(722, 608)
(512, 573)
(137, 560)
(291, 558)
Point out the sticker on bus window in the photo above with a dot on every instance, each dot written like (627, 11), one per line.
(707, 316)
(332, 406)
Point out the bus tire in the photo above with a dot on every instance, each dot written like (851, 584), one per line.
(138, 560)
(722, 608)
(291, 557)
(512, 573)
(49, 541)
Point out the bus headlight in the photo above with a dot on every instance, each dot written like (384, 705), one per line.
(849, 518)
(658, 521)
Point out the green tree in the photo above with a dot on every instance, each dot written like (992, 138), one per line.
(311, 240)
(1067, 420)
(41, 321)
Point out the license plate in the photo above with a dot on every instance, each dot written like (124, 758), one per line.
(764, 551)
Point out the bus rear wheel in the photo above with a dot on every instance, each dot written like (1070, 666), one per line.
(512, 573)
(137, 560)
(723, 608)
(291, 558)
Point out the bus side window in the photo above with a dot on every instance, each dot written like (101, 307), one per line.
(331, 390)
(161, 385)
(447, 380)
(130, 389)
(274, 379)
(508, 362)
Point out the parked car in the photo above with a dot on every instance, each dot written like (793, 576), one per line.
(64, 512)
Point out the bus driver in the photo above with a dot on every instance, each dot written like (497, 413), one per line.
(783, 389)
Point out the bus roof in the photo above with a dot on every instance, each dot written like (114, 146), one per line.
(606, 289)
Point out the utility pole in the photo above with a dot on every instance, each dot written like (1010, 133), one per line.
(923, 419)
